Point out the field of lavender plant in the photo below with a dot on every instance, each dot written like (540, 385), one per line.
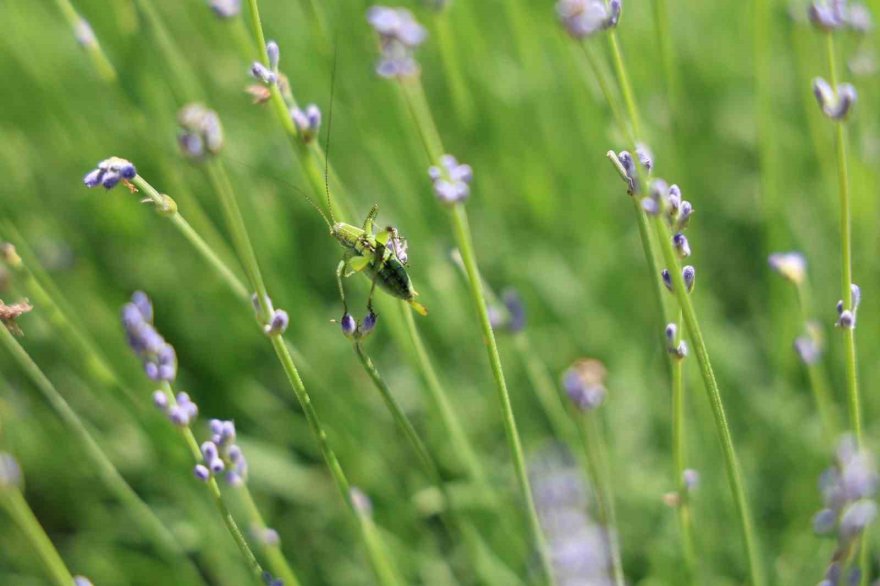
(617, 323)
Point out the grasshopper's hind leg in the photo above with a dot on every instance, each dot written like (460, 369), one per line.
(339, 270)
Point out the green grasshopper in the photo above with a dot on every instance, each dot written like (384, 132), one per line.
(380, 257)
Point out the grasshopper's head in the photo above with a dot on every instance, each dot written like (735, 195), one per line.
(345, 234)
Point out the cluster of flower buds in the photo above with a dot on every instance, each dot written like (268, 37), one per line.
(835, 104)
(109, 172)
(10, 472)
(270, 580)
(791, 266)
(181, 412)
(688, 273)
(674, 344)
(201, 133)
(829, 15)
(226, 8)
(399, 36)
(848, 490)
(666, 199)
(157, 355)
(9, 313)
(451, 180)
(512, 316)
(262, 73)
(690, 481)
(221, 454)
(846, 318)
(357, 331)
(584, 383)
(279, 321)
(809, 346)
(584, 18)
(307, 121)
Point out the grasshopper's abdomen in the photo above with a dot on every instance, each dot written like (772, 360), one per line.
(392, 278)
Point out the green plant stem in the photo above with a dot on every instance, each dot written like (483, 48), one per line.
(731, 464)
(679, 447)
(415, 97)
(816, 373)
(186, 86)
(852, 384)
(626, 88)
(216, 496)
(607, 92)
(99, 59)
(15, 504)
(277, 562)
(140, 513)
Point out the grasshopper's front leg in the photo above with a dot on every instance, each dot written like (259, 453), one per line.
(371, 217)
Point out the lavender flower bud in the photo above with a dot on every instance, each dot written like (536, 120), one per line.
(178, 416)
(307, 122)
(274, 54)
(834, 105)
(792, 266)
(847, 317)
(690, 478)
(10, 472)
(110, 172)
(689, 274)
(399, 36)
(263, 74)
(85, 36)
(856, 517)
(826, 17)
(349, 325)
(266, 536)
(451, 180)
(369, 324)
(684, 215)
(279, 323)
(81, 581)
(671, 333)
(226, 8)
(682, 247)
(209, 451)
(808, 349)
(160, 400)
(216, 465)
(858, 18)
(629, 170)
(584, 384)
(201, 472)
(667, 279)
(824, 521)
(583, 18)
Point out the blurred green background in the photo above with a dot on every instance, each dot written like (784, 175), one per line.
(738, 130)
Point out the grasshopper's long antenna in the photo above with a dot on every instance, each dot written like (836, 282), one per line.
(330, 126)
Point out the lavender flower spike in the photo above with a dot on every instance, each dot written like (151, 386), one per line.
(263, 74)
(399, 35)
(158, 357)
(307, 122)
(201, 133)
(584, 383)
(109, 172)
(451, 180)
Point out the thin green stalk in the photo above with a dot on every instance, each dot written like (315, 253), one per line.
(140, 513)
(679, 447)
(607, 92)
(816, 373)
(400, 418)
(664, 42)
(185, 79)
(626, 88)
(91, 45)
(244, 249)
(731, 464)
(15, 504)
(415, 97)
(216, 496)
(277, 562)
(852, 384)
(595, 453)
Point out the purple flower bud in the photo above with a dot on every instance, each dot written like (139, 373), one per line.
(160, 400)
(93, 178)
(856, 517)
(111, 178)
(826, 17)
(583, 18)
(682, 247)
(835, 105)
(209, 451)
(262, 74)
(671, 333)
(684, 215)
(216, 465)
(369, 323)
(234, 453)
(143, 304)
(234, 479)
(691, 479)
(216, 426)
(667, 279)
(349, 326)
(307, 122)
(584, 384)
(689, 274)
(279, 323)
(451, 180)
(808, 349)
(274, 54)
(81, 581)
(399, 35)
(201, 472)
(226, 8)
(110, 172)
(824, 521)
